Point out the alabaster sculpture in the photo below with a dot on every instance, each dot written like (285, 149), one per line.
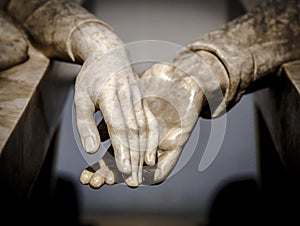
(215, 72)
(207, 78)
(65, 31)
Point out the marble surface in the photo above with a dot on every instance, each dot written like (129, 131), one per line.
(17, 87)
(32, 97)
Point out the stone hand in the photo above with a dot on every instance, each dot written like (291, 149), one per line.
(104, 171)
(175, 96)
(246, 48)
(175, 123)
(64, 30)
(107, 82)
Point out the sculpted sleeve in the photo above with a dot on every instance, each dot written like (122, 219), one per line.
(51, 24)
(253, 45)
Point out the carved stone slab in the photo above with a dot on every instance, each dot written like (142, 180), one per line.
(280, 108)
(31, 103)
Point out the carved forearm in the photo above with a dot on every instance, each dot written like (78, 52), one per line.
(63, 29)
(254, 45)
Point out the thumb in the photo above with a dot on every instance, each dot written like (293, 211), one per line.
(166, 163)
(86, 125)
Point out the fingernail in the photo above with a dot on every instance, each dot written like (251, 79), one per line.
(132, 183)
(96, 180)
(84, 178)
(89, 144)
(151, 159)
(110, 178)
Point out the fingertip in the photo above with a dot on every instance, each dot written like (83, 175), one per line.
(86, 126)
(132, 182)
(110, 178)
(126, 166)
(150, 158)
(96, 181)
(89, 136)
(85, 177)
(91, 144)
(152, 138)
